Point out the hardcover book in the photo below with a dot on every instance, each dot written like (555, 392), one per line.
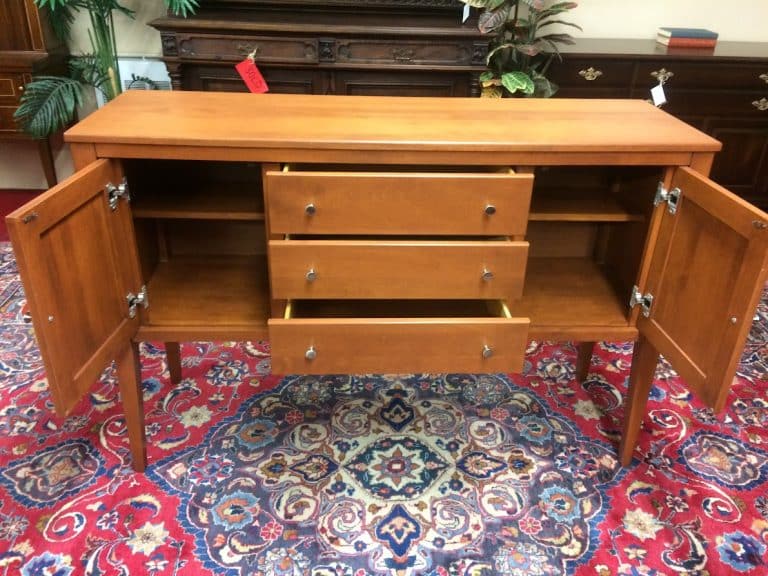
(672, 32)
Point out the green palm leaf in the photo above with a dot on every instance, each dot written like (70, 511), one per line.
(182, 7)
(48, 104)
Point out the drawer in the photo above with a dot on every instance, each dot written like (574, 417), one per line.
(591, 73)
(234, 48)
(7, 123)
(397, 52)
(416, 203)
(704, 75)
(11, 88)
(397, 337)
(397, 269)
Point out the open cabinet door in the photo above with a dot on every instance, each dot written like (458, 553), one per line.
(77, 260)
(706, 277)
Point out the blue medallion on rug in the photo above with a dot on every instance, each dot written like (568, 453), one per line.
(381, 475)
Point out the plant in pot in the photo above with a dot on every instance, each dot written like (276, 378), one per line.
(526, 39)
(50, 102)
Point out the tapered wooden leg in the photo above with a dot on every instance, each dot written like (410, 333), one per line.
(129, 378)
(173, 356)
(46, 159)
(644, 362)
(583, 360)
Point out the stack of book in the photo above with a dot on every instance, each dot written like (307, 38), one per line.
(686, 37)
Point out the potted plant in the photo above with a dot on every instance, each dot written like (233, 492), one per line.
(523, 46)
(50, 102)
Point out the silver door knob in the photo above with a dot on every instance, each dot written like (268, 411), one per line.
(487, 275)
(490, 209)
(311, 275)
(487, 351)
(310, 209)
(311, 353)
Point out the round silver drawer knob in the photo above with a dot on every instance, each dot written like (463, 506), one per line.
(311, 275)
(487, 351)
(27, 318)
(490, 209)
(487, 275)
(310, 209)
(311, 353)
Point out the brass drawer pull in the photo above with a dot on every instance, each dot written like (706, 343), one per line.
(490, 209)
(310, 209)
(487, 275)
(311, 353)
(311, 275)
(590, 74)
(764, 78)
(487, 351)
(662, 75)
(761, 104)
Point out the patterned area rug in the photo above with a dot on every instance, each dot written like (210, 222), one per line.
(427, 474)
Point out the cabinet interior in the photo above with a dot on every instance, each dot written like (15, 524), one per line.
(200, 231)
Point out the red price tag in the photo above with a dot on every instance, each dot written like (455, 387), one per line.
(251, 76)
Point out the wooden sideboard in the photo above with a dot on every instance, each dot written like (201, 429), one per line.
(375, 234)
(354, 48)
(27, 48)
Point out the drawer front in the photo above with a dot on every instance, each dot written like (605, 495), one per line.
(591, 73)
(396, 269)
(11, 88)
(406, 345)
(364, 51)
(7, 123)
(706, 75)
(398, 203)
(233, 48)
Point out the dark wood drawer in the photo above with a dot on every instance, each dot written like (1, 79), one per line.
(688, 102)
(593, 73)
(7, 123)
(704, 75)
(11, 88)
(382, 52)
(234, 48)
(432, 337)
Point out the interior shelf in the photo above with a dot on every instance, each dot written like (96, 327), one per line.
(214, 291)
(568, 206)
(570, 292)
(206, 201)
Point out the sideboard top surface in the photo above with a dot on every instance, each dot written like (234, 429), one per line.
(370, 123)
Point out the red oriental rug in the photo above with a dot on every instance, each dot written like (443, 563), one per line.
(423, 474)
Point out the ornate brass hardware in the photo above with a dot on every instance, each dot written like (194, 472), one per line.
(248, 50)
(590, 74)
(662, 75)
(761, 104)
(764, 78)
(402, 54)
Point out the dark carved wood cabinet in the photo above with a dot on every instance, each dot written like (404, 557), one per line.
(723, 92)
(365, 47)
(27, 47)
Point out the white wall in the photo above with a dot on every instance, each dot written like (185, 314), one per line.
(746, 20)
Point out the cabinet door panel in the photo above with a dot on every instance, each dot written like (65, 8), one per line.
(706, 276)
(77, 260)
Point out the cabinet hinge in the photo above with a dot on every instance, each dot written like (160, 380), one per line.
(114, 193)
(644, 300)
(136, 300)
(671, 197)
